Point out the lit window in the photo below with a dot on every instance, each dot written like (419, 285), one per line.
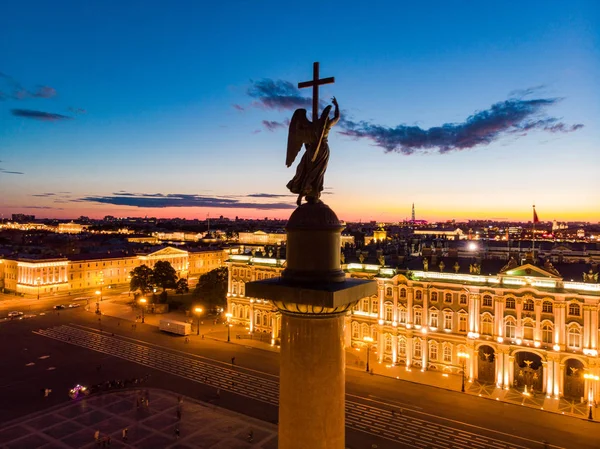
(418, 294)
(402, 293)
(418, 317)
(510, 329)
(447, 354)
(375, 306)
(487, 325)
(355, 330)
(463, 299)
(388, 343)
(417, 348)
(433, 319)
(487, 301)
(388, 291)
(547, 307)
(547, 333)
(448, 297)
(462, 322)
(528, 331)
(510, 303)
(389, 313)
(402, 315)
(528, 305)
(433, 351)
(401, 346)
(448, 320)
(574, 309)
(434, 296)
(574, 338)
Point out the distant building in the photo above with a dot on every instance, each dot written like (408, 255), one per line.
(456, 234)
(22, 218)
(261, 238)
(71, 228)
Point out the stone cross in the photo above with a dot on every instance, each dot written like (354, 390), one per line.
(315, 83)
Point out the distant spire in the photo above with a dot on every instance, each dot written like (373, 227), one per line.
(413, 216)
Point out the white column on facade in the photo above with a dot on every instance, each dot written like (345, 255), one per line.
(507, 364)
(425, 319)
(499, 316)
(394, 347)
(424, 353)
(499, 357)
(409, 305)
(594, 327)
(563, 324)
(380, 343)
(511, 370)
(471, 311)
(558, 369)
(538, 319)
(409, 350)
(381, 296)
(471, 361)
(519, 330)
(586, 327)
(549, 377)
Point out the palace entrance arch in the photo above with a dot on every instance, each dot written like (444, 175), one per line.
(574, 381)
(486, 364)
(529, 372)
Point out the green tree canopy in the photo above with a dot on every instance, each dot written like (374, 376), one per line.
(141, 279)
(164, 275)
(212, 287)
(182, 286)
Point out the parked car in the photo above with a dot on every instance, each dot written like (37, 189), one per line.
(73, 305)
(15, 314)
(59, 307)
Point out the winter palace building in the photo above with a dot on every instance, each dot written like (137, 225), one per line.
(525, 326)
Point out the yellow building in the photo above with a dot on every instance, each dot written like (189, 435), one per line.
(90, 271)
(524, 326)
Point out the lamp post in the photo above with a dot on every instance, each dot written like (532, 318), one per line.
(591, 378)
(368, 341)
(98, 297)
(463, 356)
(143, 302)
(198, 310)
(228, 315)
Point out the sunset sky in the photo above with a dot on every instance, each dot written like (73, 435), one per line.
(179, 109)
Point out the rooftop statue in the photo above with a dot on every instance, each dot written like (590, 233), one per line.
(310, 173)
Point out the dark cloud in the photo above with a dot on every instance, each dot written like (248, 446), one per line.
(43, 195)
(77, 111)
(179, 200)
(513, 116)
(42, 207)
(18, 92)
(268, 195)
(272, 125)
(8, 172)
(278, 94)
(239, 107)
(44, 92)
(39, 115)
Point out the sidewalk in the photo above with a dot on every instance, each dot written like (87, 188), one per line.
(355, 360)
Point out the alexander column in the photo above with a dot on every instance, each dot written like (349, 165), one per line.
(313, 295)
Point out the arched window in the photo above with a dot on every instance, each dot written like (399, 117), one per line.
(462, 322)
(434, 296)
(388, 291)
(547, 307)
(419, 294)
(433, 351)
(365, 305)
(375, 306)
(402, 293)
(528, 305)
(418, 316)
(510, 303)
(389, 312)
(574, 309)
(355, 330)
(447, 320)
(433, 318)
(448, 354)
(401, 346)
(510, 328)
(417, 348)
(234, 289)
(547, 333)
(487, 325)
(463, 299)
(487, 301)
(366, 332)
(574, 337)
(257, 318)
(265, 320)
(528, 331)
(388, 343)
(401, 315)
(448, 297)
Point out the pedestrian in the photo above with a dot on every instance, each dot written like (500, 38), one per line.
(251, 436)
(97, 435)
(177, 432)
(232, 361)
(124, 433)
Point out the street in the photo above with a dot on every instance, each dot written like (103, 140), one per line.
(58, 351)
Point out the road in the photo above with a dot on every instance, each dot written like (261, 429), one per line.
(380, 410)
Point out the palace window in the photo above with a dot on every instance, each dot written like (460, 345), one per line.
(402, 346)
(433, 351)
(448, 297)
(547, 333)
(528, 331)
(375, 306)
(547, 307)
(510, 328)
(388, 291)
(234, 289)
(447, 354)
(402, 293)
(401, 315)
(366, 332)
(574, 338)
(487, 301)
(418, 317)
(419, 294)
(574, 309)
(265, 320)
(355, 330)
(433, 319)
(389, 312)
(365, 304)
(257, 319)
(462, 322)
(528, 305)
(448, 320)
(463, 299)
(434, 296)
(260, 276)
(417, 349)
(510, 303)
(388, 343)
(487, 325)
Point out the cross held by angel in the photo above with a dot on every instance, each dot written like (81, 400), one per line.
(310, 173)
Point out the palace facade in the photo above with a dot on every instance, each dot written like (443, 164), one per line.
(90, 271)
(524, 327)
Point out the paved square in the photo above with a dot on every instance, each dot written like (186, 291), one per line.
(201, 426)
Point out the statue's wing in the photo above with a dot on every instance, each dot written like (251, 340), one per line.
(299, 129)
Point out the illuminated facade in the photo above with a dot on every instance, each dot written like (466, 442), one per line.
(523, 328)
(85, 271)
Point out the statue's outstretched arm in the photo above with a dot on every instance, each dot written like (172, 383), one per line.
(336, 113)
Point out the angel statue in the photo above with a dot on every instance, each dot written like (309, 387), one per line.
(310, 172)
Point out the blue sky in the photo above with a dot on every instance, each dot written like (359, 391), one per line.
(123, 108)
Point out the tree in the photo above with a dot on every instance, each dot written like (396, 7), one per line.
(212, 287)
(182, 286)
(164, 275)
(141, 279)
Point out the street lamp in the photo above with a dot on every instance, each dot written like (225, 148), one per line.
(228, 315)
(198, 310)
(143, 303)
(98, 297)
(368, 341)
(591, 378)
(463, 356)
